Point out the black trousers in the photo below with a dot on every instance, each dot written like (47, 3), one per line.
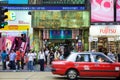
(41, 64)
(12, 65)
(22, 63)
(18, 64)
(4, 65)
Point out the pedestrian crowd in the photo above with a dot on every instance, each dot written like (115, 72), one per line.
(17, 60)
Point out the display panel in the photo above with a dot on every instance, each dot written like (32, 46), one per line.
(117, 10)
(56, 2)
(57, 19)
(60, 34)
(102, 10)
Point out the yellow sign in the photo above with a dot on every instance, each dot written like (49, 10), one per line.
(11, 15)
(16, 27)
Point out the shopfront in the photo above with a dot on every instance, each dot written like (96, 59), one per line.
(56, 26)
(104, 38)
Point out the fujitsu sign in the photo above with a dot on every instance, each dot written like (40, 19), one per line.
(108, 30)
(105, 30)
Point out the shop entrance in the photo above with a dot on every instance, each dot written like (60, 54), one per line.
(105, 44)
(52, 43)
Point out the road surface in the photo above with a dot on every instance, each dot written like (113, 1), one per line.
(34, 76)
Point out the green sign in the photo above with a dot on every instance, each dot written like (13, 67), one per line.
(61, 19)
(56, 2)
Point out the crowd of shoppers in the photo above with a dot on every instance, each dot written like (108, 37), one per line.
(17, 60)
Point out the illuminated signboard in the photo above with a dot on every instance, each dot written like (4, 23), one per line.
(60, 19)
(102, 10)
(56, 2)
(60, 34)
(45, 7)
(44, 2)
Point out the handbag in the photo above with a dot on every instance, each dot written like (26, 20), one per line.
(9, 64)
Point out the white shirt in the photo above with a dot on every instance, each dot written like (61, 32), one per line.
(41, 55)
(35, 54)
(30, 56)
(46, 52)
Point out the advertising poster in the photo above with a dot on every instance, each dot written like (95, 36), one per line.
(9, 42)
(102, 10)
(117, 10)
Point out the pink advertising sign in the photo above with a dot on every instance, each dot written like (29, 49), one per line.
(117, 10)
(102, 10)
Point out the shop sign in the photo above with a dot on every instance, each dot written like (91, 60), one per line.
(18, 17)
(95, 39)
(111, 39)
(108, 30)
(57, 19)
(105, 30)
(16, 27)
(57, 2)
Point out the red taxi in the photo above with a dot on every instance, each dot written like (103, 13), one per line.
(87, 64)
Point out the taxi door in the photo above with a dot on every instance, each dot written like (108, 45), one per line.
(84, 65)
(105, 69)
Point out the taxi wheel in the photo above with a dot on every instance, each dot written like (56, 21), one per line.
(72, 74)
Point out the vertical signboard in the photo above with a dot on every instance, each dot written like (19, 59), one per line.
(117, 10)
(102, 10)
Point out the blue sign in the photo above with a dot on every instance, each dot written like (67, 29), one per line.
(3, 1)
(17, 1)
(60, 34)
(45, 8)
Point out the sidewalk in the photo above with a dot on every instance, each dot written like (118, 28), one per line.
(36, 69)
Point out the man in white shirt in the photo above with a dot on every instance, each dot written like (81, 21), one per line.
(41, 58)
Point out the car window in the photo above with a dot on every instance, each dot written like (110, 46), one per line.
(83, 58)
(100, 58)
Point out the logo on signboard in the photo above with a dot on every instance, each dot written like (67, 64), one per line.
(11, 15)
